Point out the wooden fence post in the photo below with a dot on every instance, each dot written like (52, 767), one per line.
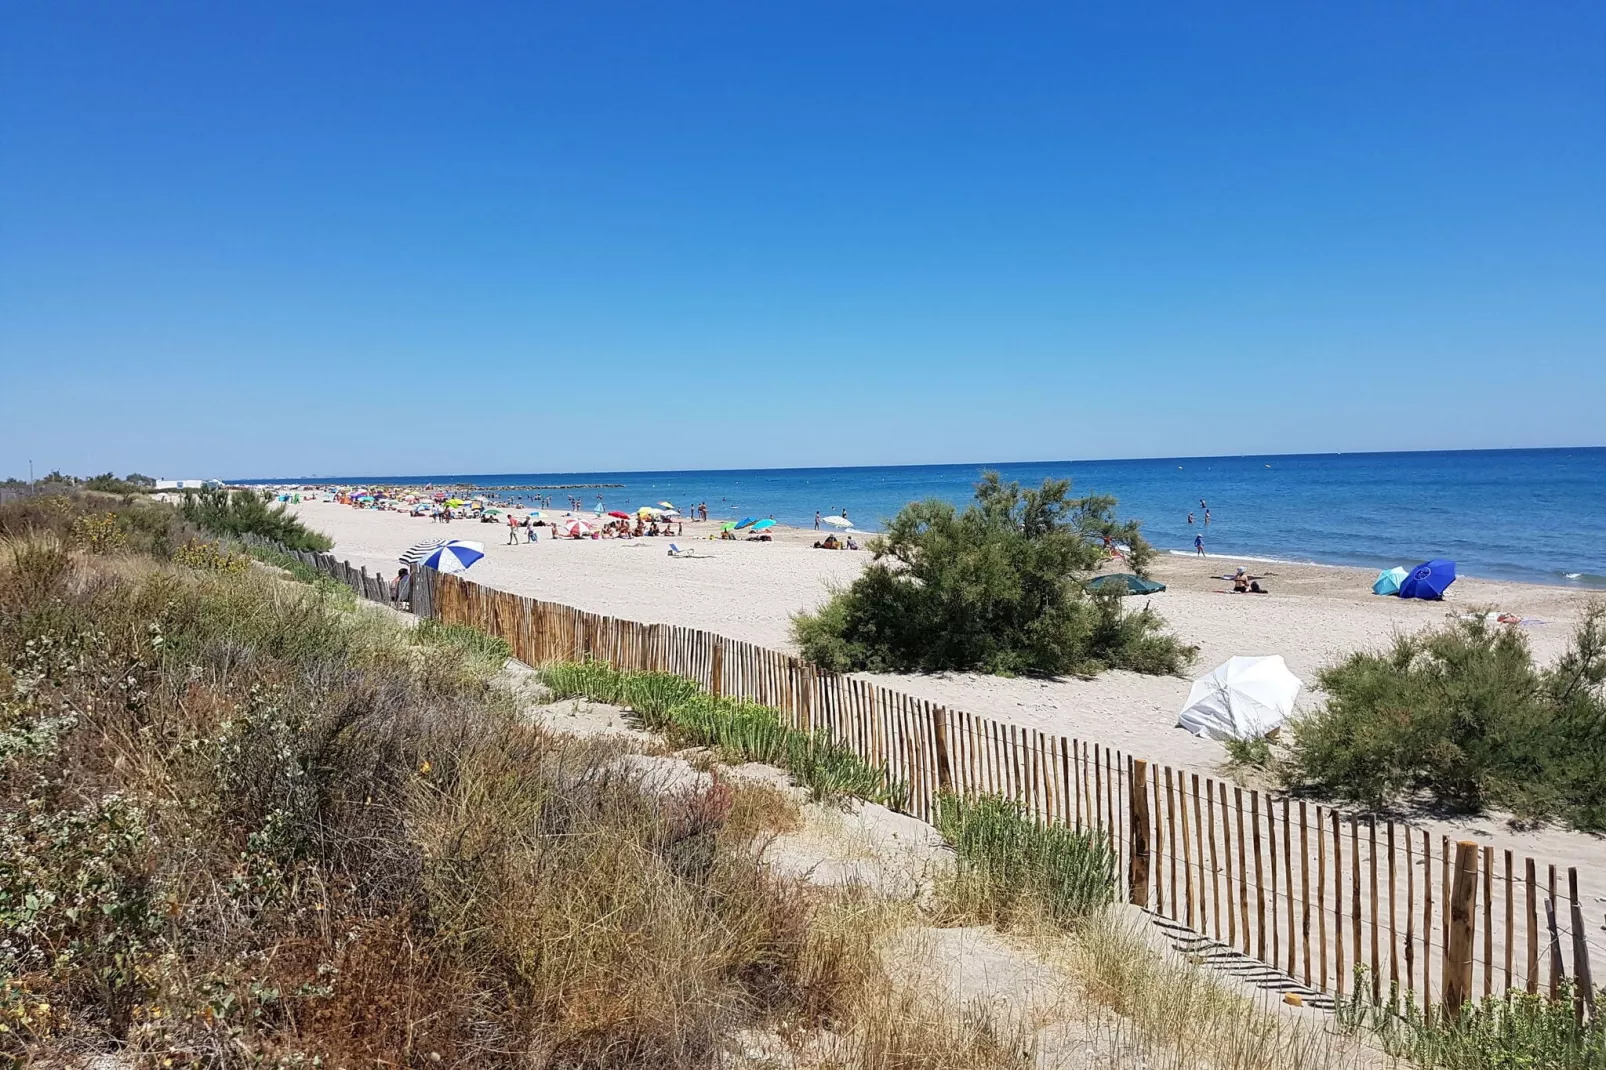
(716, 672)
(1462, 908)
(1583, 976)
(939, 736)
(1138, 801)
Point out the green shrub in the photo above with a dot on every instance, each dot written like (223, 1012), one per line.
(1463, 714)
(998, 588)
(1009, 865)
(249, 512)
(1249, 753)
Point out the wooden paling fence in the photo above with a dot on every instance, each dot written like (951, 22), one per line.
(1345, 905)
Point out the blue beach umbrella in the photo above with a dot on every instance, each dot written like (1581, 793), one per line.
(764, 525)
(1429, 580)
(745, 521)
(444, 555)
(1389, 580)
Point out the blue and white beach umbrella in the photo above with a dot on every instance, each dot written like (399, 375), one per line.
(444, 555)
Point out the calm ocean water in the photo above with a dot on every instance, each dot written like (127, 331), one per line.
(1533, 515)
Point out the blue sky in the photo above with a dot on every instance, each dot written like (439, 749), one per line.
(240, 240)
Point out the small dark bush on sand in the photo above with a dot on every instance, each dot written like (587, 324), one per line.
(996, 588)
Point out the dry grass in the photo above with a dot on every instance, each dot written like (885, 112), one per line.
(1178, 1017)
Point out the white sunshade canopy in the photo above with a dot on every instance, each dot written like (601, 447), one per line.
(1242, 698)
(836, 521)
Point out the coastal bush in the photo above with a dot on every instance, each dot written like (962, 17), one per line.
(997, 588)
(96, 522)
(242, 824)
(248, 512)
(1009, 866)
(743, 731)
(1463, 715)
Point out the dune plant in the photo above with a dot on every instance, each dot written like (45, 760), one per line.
(226, 511)
(243, 824)
(743, 730)
(1010, 866)
(1463, 715)
(998, 587)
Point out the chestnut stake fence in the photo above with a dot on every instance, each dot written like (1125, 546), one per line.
(1343, 904)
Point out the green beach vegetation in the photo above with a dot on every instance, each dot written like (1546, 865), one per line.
(223, 511)
(740, 731)
(1462, 716)
(998, 587)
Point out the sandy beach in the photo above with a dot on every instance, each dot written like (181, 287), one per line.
(1314, 615)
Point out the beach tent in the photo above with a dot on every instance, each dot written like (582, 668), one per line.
(1242, 698)
(1428, 580)
(444, 555)
(1125, 583)
(1389, 580)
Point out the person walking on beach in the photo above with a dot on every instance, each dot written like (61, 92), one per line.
(529, 529)
(1198, 545)
(512, 530)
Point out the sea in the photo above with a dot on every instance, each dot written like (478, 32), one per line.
(1536, 516)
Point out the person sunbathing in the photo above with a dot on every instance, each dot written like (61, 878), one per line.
(1244, 583)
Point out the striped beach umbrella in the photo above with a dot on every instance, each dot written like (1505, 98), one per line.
(444, 555)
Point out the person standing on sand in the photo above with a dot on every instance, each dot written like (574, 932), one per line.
(1198, 545)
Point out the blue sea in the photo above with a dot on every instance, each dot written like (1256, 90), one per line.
(1530, 515)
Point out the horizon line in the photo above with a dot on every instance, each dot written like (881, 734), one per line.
(980, 465)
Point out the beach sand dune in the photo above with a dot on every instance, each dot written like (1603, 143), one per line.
(1315, 615)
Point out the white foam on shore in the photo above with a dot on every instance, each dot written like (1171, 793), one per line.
(1262, 560)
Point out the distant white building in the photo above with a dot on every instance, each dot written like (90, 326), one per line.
(186, 484)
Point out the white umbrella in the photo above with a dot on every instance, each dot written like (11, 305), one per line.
(1242, 698)
(837, 521)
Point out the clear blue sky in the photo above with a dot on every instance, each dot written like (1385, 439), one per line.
(287, 238)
